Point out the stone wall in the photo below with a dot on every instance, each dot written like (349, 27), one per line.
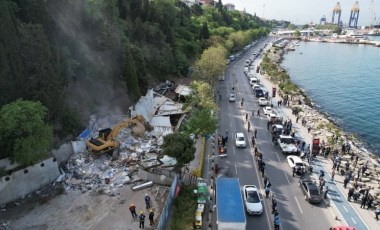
(27, 180)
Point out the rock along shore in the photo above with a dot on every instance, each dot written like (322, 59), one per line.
(333, 136)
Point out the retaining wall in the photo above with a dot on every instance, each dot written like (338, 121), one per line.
(27, 180)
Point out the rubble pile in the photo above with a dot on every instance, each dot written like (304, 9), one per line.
(87, 172)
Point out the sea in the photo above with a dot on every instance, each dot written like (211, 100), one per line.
(343, 81)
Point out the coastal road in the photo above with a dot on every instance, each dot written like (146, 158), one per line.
(337, 198)
(294, 211)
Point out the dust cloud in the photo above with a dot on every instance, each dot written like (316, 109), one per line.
(95, 84)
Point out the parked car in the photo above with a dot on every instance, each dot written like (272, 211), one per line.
(296, 164)
(240, 140)
(287, 144)
(258, 93)
(231, 97)
(277, 130)
(267, 110)
(262, 100)
(310, 190)
(254, 87)
(252, 200)
(253, 81)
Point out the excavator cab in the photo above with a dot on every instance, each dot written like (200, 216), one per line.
(104, 133)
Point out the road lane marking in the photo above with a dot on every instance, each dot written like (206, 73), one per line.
(345, 208)
(236, 168)
(299, 206)
(353, 220)
(286, 176)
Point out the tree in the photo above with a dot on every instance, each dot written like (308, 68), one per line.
(24, 136)
(201, 96)
(201, 122)
(179, 146)
(212, 64)
(297, 33)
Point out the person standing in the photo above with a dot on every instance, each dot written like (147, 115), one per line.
(333, 174)
(249, 126)
(246, 117)
(364, 202)
(142, 219)
(345, 182)
(258, 112)
(132, 209)
(255, 133)
(277, 222)
(267, 190)
(262, 169)
(377, 212)
(350, 193)
(147, 201)
(151, 217)
(274, 205)
(326, 191)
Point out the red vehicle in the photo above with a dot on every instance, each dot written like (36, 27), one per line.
(342, 228)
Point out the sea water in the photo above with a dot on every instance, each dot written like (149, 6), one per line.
(342, 80)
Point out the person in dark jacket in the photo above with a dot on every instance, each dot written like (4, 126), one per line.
(142, 219)
(151, 217)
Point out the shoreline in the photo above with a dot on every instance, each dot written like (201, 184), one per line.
(317, 118)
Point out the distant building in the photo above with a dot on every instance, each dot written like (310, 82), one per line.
(323, 20)
(229, 6)
(190, 2)
(206, 2)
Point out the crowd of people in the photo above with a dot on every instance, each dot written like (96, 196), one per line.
(141, 217)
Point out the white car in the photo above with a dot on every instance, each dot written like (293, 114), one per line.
(231, 97)
(252, 200)
(256, 86)
(297, 163)
(267, 110)
(262, 100)
(240, 140)
(287, 144)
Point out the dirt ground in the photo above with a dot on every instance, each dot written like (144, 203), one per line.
(77, 210)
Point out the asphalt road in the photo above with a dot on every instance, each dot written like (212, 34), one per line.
(295, 212)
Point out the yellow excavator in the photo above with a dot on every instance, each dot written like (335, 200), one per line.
(106, 141)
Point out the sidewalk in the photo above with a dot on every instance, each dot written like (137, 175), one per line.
(351, 212)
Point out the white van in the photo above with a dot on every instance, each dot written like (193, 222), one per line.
(253, 81)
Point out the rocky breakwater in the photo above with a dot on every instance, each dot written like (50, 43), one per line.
(358, 166)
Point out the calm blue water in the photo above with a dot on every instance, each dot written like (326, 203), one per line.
(344, 81)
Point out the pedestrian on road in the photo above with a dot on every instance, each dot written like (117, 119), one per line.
(268, 124)
(267, 190)
(377, 212)
(326, 191)
(370, 201)
(277, 222)
(294, 171)
(253, 141)
(364, 202)
(246, 117)
(332, 175)
(274, 205)
(147, 201)
(132, 208)
(265, 180)
(151, 217)
(253, 113)
(345, 182)
(142, 219)
(258, 112)
(350, 194)
(262, 169)
(255, 133)
(249, 126)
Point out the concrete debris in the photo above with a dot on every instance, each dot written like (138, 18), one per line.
(86, 172)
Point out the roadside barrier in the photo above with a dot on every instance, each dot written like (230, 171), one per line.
(198, 171)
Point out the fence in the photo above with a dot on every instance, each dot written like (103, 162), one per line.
(168, 204)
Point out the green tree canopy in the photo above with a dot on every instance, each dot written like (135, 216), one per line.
(201, 96)
(211, 64)
(179, 146)
(201, 122)
(24, 136)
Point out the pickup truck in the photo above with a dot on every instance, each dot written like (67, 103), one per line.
(287, 144)
(230, 210)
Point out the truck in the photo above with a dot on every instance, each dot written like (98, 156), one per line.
(230, 210)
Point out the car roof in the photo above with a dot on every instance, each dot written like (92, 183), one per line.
(250, 187)
(232, 94)
(296, 159)
(279, 126)
(286, 136)
(240, 134)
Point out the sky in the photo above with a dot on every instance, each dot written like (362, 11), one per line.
(305, 11)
